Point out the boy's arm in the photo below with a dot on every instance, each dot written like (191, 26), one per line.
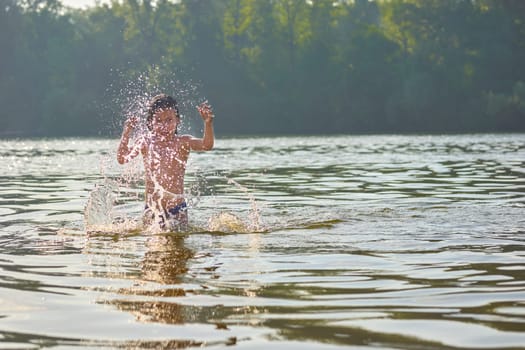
(207, 141)
(124, 152)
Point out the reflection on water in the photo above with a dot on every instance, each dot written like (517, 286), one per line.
(381, 242)
(165, 259)
(164, 262)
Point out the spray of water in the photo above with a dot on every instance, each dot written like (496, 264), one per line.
(225, 221)
(99, 207)
(100, 215)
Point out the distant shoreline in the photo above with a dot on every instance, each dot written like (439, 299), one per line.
(40, 136)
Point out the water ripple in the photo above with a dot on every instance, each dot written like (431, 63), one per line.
(372, 242)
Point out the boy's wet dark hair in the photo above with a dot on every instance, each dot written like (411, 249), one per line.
(159, 102)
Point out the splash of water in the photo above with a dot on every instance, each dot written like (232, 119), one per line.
(98, 211)
(137, 88)
(100, 215)
(255, 214)
(231, 223)
(227, 222)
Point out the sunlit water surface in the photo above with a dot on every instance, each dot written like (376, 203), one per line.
(377, 242)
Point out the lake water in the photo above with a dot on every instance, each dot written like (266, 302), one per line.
(355, 242)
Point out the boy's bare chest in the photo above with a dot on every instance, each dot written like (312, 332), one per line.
(166, 155)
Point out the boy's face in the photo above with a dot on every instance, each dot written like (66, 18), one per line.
(165, 122)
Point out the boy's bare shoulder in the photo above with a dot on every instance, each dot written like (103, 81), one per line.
(183, 140)
(186, 138)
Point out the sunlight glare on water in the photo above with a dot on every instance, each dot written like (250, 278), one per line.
(377, 242)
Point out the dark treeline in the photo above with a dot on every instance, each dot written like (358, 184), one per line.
(268, 66)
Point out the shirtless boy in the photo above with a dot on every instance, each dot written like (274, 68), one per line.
(165, 154)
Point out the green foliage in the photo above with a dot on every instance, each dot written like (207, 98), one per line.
(507, 109)
(267, 66)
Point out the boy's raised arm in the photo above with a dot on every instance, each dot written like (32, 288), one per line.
(124, 152)
(207, 141)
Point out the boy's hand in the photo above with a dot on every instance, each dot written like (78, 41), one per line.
(130, 124)
(205, 111)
